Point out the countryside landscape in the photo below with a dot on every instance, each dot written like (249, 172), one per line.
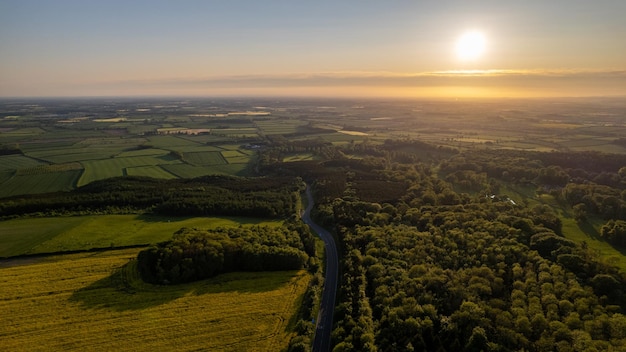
(325, 176)
(171, 223)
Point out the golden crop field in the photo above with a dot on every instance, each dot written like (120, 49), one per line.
(96, 302)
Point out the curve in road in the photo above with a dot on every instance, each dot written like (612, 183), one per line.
(321, 341)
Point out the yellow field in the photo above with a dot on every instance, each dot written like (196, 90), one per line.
(95, 302)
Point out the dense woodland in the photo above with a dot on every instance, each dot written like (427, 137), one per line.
(194, 254)
(209, 195)
(437, 258)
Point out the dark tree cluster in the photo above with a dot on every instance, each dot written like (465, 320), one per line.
(199, 254)
(614, 231)
(209, 195)
(605, 201)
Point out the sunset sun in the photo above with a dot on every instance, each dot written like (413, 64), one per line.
(470, 46)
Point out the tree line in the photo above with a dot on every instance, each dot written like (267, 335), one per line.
(194, 254)
(208, 195)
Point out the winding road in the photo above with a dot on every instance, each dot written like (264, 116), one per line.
(321, 342)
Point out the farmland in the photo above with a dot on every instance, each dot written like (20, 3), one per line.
(152, 138)
(48, 235)
(460, 221)
(96, 302)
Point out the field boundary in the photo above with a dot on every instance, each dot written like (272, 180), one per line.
(74, 251)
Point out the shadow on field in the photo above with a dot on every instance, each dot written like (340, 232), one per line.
(160, 218)
(591, 231)
(124, 290)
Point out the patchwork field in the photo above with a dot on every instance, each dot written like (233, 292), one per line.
(46, 235)
(96, 302)
(11, 162)
(101, 169)
(188, 171)
(205, 158)
(33, 183)
(281, 126)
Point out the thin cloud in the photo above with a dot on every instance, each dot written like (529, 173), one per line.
(482, 83)
(384, 78)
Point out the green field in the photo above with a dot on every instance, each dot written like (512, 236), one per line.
(189, 171)
(96, 302)
(72, 156)
(236, 157)
(12, 162)
(170, 142)
(143, 152)
(106, 168)
(149, 171)
(204, 158)
(46, 235)
(589, 234)
(40, 183)
(280, 126)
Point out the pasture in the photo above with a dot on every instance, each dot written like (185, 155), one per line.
(188, 171)
(113, 167)
(149, 171)
(280, 126)
(96, 302)
(47, 235)
(204, 158)
(41, 182)
(16, 161)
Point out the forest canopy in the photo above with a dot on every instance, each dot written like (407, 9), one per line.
(194, 254)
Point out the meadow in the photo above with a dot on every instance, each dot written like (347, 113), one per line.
(96, 302)
(49, 235)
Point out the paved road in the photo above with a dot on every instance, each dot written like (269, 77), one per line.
(321, 342)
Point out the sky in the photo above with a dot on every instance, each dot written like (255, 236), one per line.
(322, 48)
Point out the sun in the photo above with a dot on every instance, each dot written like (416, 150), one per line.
(470, 46)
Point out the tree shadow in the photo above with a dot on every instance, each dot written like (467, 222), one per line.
(156, 218)
(591, 231)
(124, 290)
(153, 218)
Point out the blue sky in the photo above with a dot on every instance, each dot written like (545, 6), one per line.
(337, 48)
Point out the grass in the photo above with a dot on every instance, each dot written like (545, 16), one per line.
(72, 155)
(299, 157)
(588, 232)
(13, 162)
(112, 167)
(96, 302)
(40, 183)
(236, 157)
(280, 126)
(143, 152)
(48, 235)
(189, 171)
(205, 158)
(170, 142)
(149, 171)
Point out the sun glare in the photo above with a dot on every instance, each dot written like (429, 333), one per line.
(470, 46)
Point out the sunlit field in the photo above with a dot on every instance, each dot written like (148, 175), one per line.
(95, 302)
(48, 235)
